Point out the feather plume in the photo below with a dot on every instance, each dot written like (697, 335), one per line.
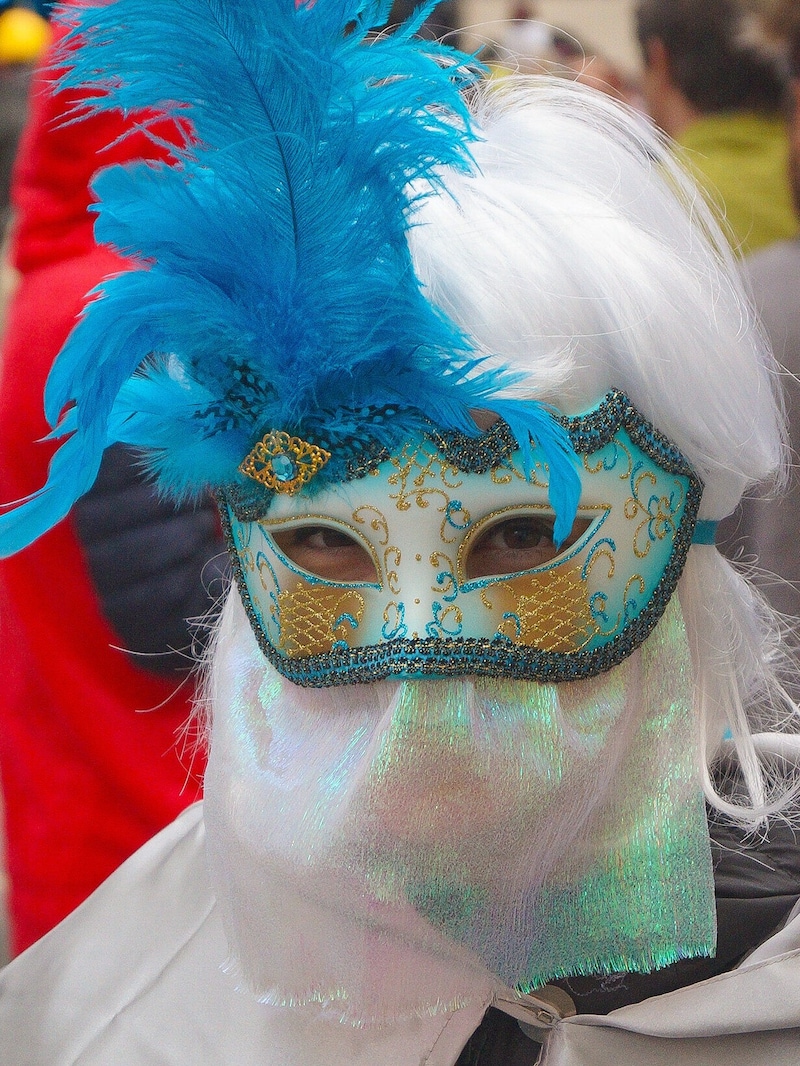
(271, 277)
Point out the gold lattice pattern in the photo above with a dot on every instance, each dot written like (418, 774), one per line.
(309, 616)
(283, 463)
(551, 610)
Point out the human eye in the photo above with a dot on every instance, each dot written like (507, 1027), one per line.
(511, 545)
(328, 552)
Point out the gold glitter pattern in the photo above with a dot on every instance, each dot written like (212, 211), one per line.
(548, 610)
(423, 475)
(659, 512)
(314, 618)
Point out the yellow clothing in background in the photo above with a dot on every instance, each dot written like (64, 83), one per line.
(740, 159)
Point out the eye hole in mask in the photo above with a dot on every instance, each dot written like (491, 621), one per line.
(331, 552)
(513, 544)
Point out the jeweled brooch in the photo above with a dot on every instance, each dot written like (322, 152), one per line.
(283, 463)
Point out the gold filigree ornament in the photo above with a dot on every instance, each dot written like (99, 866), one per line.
(283, 463)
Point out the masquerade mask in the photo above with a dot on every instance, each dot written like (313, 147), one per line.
(440, 560)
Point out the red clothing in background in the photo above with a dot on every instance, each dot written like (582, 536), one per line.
(86, 779)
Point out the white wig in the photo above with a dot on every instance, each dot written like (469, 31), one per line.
(580, 252)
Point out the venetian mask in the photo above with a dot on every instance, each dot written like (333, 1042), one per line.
(440, 560)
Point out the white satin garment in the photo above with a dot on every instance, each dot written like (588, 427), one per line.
(133, 978)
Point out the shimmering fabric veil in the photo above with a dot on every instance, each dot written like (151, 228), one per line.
(400, 848)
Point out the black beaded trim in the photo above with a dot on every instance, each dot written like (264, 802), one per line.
(497, 656)
(248, 503)
(590, 432)
(366, 463)
(470, 455)
(477, 455)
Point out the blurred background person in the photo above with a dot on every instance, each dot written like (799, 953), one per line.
(525, 44)
(714, 80)
(766, 531)
(93, 622)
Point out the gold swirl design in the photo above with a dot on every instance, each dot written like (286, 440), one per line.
(448, 518)
(603, 551)
(500, 475)
(413, 467)
(394, 622)
(634, 579)
(634, 505)
(392, 557)
(508, 471)
(450, 620)
(438, 561)
(378, 523)
(598, 466)
(246, 559)
(659, 513)
(269, 584)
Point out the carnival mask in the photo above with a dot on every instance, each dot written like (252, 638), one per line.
(441, 561)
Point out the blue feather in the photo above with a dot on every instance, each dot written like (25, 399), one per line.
(73, 470)
(271, 274)
(533, 423)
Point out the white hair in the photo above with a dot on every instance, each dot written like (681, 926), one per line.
(580, 252)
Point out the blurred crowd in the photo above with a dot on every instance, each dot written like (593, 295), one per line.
(96, 618)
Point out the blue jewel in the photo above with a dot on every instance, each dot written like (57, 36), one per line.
(283, 468)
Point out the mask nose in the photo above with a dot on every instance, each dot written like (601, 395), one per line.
(428, 595)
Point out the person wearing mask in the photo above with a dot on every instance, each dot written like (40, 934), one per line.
(491, 720)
